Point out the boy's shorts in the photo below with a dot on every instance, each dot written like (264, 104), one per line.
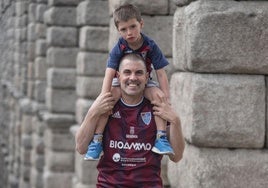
(150, 83)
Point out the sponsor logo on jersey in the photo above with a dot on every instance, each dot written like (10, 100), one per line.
(131, 133)
(146, 117)
(116, 115)
(129, 146)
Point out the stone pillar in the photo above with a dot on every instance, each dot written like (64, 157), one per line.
(93, 20)
(221, 48)
(61, 39)
(37, 71)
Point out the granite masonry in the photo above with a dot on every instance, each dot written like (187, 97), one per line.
(52, 59)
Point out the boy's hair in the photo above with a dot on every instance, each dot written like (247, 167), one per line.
(126, 12)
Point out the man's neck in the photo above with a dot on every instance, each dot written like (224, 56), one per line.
(132, 101)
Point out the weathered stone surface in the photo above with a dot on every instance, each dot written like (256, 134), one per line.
(57, 179)
(63, 138)
(84, 175)
(91, 63)
(40, 10)
(40, 90)
(60, 16)
(58, 161)
(62, 57)
(40, 47)
(210, 168)
(63, 2)
(93, 12)
(88, 87)
(59, 121)
(61, 78)
(219, 110)
(222, 36)
(60, 100)
(94, 38)
(82, 106)
(62, 36)
(40, 68)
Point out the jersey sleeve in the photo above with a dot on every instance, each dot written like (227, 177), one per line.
(114, 57)
(158, 59)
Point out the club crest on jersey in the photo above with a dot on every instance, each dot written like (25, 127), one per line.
(146, 117)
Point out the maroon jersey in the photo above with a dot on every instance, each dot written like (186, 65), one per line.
(128, 161)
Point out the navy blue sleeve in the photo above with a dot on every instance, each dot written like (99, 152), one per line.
(114, 57)
(157, 57)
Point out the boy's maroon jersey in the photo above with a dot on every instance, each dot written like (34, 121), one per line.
(128, 139)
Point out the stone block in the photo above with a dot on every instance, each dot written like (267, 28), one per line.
(26, 124)
(37, 161)
(62, 57)
(62, 36)
(221, 37)
(218, 110)
(149, 7)
(63, 138)
(60, 100)
(21, 8)
(83, 170)
(40, 68)
(82, 106)
(59, 161)
(40, 11)
(25, 156)
(31, 36)
(63, 2)
(57, 179)
(93, 12)
(26, 141)
(61, 78)
(31, 51)
(21, 21)
(91, 63)
(40, 90)
(58, 121)
(41, 47)
(32, 12)
(210, 168)
(94, 38)
(36, 178)
(21, 34)
(38, 144)
(88, 86)
(40, 30)
(61, 16)
(30, 89)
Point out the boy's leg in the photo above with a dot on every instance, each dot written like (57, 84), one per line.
(162, 145)
(95, 146)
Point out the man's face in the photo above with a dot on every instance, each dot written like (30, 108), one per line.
(133, 77)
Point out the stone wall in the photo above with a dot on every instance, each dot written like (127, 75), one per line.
(52, 60)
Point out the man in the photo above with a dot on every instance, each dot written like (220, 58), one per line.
(129, 135)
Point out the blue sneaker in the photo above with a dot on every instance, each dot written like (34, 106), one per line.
(93, 152)
(162, 146)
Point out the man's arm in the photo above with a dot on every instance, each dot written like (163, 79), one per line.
(165, 111)
(84, 135)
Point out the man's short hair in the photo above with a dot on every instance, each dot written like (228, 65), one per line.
(126, 12)
(133, 57)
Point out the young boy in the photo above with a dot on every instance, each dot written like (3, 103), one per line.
(128, 21)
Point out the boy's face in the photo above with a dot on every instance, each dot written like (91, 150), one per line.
(130, 30)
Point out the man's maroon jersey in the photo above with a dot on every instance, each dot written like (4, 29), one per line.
(129, 136)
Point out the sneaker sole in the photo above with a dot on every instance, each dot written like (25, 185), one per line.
(155, 150)
(90, 159)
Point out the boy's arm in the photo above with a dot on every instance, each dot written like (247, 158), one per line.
(163, 82)
(102, 104)
(107, 81)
